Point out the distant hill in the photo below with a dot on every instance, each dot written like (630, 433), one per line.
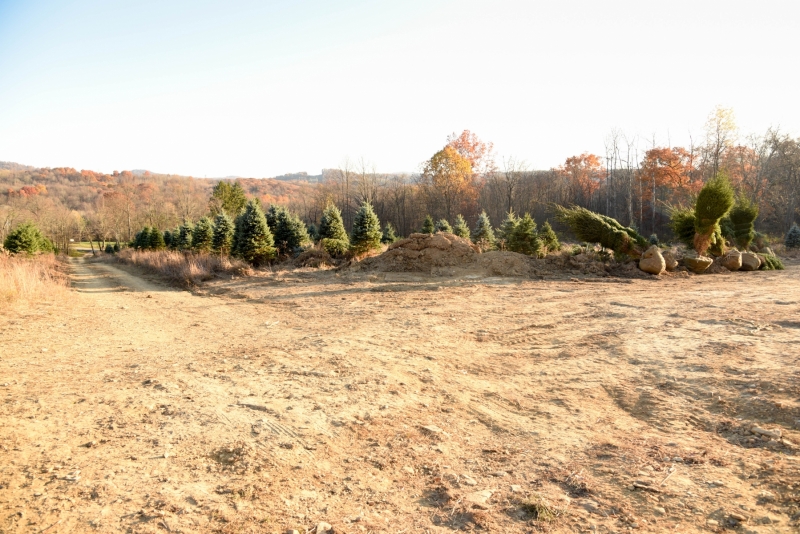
(10, 166)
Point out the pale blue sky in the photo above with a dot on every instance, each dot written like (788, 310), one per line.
(263, 88)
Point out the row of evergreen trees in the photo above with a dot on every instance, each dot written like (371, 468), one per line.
(517, 234)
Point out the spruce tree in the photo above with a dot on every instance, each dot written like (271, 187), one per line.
(460, 227)
(483, 235)
(252, 237)
(185, 236)
(742, 217)
(227, 197)
(25, 238)
(272, 216)
(507, 228)
(389, 235)
(222, 239)
(427, 225)
(523, 237)
(109, 248)
(313, 233)
(117, 247)
(714, 201)
(156, 241)
(366, 230)
(142, 239)
(203, 235)
(331, 225)
(167, 238)
(443, 226)
(290, 232)
(549, 238)
(792, 239)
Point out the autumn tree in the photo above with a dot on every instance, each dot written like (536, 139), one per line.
(584, 174)
(446, 177)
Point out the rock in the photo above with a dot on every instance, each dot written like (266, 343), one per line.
(732, 260)
(516, 488)
(738, 517)
(478, 498)
(774, 434)
(697, 264)
(712, 523)
(292, 531)
(766, 496)
(652, 261)
(670, 260)
(659, 510)
(750, 261)
(322, 526)
(469, 481)
(499, 474)
(409, 470)
(433, 429)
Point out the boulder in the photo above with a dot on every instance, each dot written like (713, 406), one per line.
(697, 264)
(750, 261)
(732, 260)
(652, 261)
(670, 260)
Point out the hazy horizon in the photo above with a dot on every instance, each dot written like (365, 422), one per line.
(256, 89)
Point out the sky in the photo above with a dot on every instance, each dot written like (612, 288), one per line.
(263, 88)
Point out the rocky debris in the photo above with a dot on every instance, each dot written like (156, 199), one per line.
(774, 434)
(409, 470)
(433, 429)
(670, 260)
(423, 253)
(659, 510)
(732, 260)
(652, 261)
(478, 499)
(697, 264)
(469, 481)
(323, 527)
(750, 261)
(516, 488)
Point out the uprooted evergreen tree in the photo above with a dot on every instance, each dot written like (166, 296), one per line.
(483, 234)
(460, 227)
(714, 201)
(366, 234)
(222, 239)
(742, 217)
(332, 235)
(443, 226)
(203, 235)
(592, 227)
(428, 227)
(792, 239)
(549, 238)
(253, 240)
(524, 238)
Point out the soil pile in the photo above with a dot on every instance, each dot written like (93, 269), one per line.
(424, 253)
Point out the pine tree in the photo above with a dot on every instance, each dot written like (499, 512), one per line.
(290, 232)
(313, 233)
(203, 235)
(223, 234)
(272, 216)
(117, 247)
(427, 226)
(653, 239)
(714, 201)
(252, 238)
(227, 197)
(331, 225)
(793, 237)
(443, 226)
(109, 248)
(389, 235)
(523, 237)
(156, 240)
(549, 238)
(167, 238)
(142, 239)
(483, 235)
(460, 227)
(175, 241)
(366, 230)
(742, 218)
(185, 236)
(26, 238)
(507, 228)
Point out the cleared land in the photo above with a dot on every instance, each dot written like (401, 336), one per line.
(380, 402)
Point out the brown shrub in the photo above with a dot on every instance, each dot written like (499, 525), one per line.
(183, 268)
(31, 278)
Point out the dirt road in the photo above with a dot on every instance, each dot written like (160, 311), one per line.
(395, 403)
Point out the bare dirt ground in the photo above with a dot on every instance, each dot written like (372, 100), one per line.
(380, 402)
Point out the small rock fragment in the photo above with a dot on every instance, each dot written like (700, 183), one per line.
(322, 526)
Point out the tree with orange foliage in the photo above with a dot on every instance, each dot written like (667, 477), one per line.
(670, 169)
(584, 174)
(446, 178)
(479, 154)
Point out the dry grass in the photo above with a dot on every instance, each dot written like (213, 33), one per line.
(185, 269)
(31, 278)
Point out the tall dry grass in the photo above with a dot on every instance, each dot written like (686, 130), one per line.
(184, 269)
(31, 278)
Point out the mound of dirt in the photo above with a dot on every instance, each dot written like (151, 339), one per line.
(424, 253)
(313, 257)
(504, 263)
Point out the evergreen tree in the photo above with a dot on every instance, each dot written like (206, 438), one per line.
(290, 232)
(175, 241)
(389, 236)
(427, 225)
(117, 247)
(26, 238)
(792, 239)
(185, 236)
(742, 217)
(443, 226)
(272, 216)
(366, 230)
(222, 239)
(253, 240)
(714, 201)
(331, 225)
(549, 238)
(156, 240)
(653, 239)
(167, 238)
(109, 248)
(227, 197)
(460, 227)
(483, 235)
(313, 233)
(203, 235)
(507, 228)
(523, 237)
(142, 239)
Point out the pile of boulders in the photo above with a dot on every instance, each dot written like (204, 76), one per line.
(657, 261)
